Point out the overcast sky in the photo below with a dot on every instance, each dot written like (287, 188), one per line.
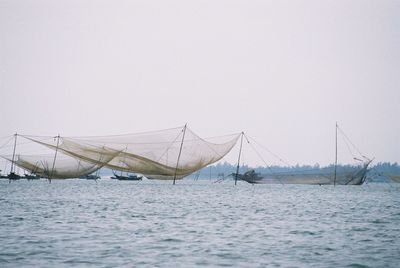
(282, 71)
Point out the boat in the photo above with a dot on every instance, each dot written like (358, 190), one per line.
(127, 178)
(90, 177)
(13, 176)
(32, 177)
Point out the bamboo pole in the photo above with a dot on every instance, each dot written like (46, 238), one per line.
(238, 163)
(180, 151)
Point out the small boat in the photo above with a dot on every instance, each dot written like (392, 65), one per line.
(31, 177)
(127, 178)
(13, 176)
(90, 177)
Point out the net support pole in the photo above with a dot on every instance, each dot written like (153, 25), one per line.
(13, 155)
(54, 160)
(238, 163)
(334, 176)
(180, 151)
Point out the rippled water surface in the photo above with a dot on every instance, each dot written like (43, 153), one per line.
(197, 223)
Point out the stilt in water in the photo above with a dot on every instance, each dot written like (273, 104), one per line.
(180, 151)
(334, 177)
(238, 163)
(12, 174)
(54, 160)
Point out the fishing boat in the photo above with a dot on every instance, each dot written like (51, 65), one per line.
(13, 176)
(127, 178)
(90, 177)
(31, 177)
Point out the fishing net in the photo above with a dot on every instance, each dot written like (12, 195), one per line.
(64, 167)
(167, 154)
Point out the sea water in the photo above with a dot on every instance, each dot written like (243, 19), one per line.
(80, 223)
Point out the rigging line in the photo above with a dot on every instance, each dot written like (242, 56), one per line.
(8, 141)
(36, 136)
(348, 147)
(222, 136)
(272, 153)
(283, 172)
(32, 140)
(8, 136)
(259, 155)
(355, 147)
(19, 143)
(122, 142)
(126, 134)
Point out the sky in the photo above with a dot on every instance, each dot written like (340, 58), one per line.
(281, 71)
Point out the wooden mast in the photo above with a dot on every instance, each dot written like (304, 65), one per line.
(334, 178)
(180, 151)
(238, 163)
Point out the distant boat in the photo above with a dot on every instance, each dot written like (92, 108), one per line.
(127, 178)
(31, 177)
(90, 177)
(13, 176)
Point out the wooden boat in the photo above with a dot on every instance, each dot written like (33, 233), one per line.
(127, 178)
(90, 177)
(31, 177)
(13, 176)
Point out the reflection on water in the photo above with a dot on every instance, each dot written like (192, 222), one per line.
(155, 224)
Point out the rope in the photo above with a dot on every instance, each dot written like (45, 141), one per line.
(259, 155)
(355, 147)
(8, 141)
(126, 134)
(272, 153)
(348, 147)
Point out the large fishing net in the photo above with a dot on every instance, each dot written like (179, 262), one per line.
(166, 154)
